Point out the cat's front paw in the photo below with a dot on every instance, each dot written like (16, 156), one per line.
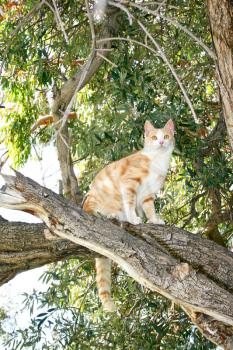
(156, 221)
(136, 220)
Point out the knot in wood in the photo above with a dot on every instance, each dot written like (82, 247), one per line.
(181, 271)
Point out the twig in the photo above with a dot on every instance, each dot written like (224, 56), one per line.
(157, 3)
(103, 48)
(123, 8)
(91, 23)
(106, 59)
(3, 161)
(178, 25)
(59, 21)
(131, 41)
(62, 138)
(160, 6)
(163, 56)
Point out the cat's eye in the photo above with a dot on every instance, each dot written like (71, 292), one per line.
(154, 137)
(166, 137)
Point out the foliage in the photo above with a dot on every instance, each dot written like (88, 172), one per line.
(111, 112)
(3, 318)
(71, 317)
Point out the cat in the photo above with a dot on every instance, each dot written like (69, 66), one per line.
(125, 190)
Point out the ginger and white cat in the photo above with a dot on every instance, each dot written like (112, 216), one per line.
(126, 189)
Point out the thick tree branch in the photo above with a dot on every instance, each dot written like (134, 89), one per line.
(202, 254)
(216, 135)
(222, 33)
(145, 259)
(23, 247)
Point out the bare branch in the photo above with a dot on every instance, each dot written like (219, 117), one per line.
(55, 11)
(106, 59)
(213, 330)
(163, 56)
(194, 272)
(123, 8)
(178, 25)
(219, 10)
(91, 23)
(150, 3)
(130, 41)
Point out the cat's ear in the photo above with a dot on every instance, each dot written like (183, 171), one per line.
(148, 127)
(170, 126)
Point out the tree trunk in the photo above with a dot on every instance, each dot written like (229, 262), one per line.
(221, 22)
(63, 102)
(191, 271)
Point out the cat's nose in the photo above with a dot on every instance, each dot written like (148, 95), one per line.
(161, 142)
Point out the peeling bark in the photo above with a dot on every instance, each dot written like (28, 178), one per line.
(221, 21)
(217, 332)
(193, 272)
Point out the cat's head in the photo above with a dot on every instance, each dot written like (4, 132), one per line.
(156, 139)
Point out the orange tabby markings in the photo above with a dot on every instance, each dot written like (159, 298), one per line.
(137, 179)
(149, 199)
(127, 187)
(132, 190)
(88, 207)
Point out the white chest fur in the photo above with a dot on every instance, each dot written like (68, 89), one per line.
(153, 183)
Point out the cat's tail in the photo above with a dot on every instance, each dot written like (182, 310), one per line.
(103, 279)
(103, 265)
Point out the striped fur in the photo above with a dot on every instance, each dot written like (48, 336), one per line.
(126, 189)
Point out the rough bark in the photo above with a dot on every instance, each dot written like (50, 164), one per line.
(221, 21)
(191, 271)
(201, 254)
(27, 246)
(24, 247)
(215, 331)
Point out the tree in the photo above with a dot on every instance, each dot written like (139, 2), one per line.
(49, 52)
(222, 37)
